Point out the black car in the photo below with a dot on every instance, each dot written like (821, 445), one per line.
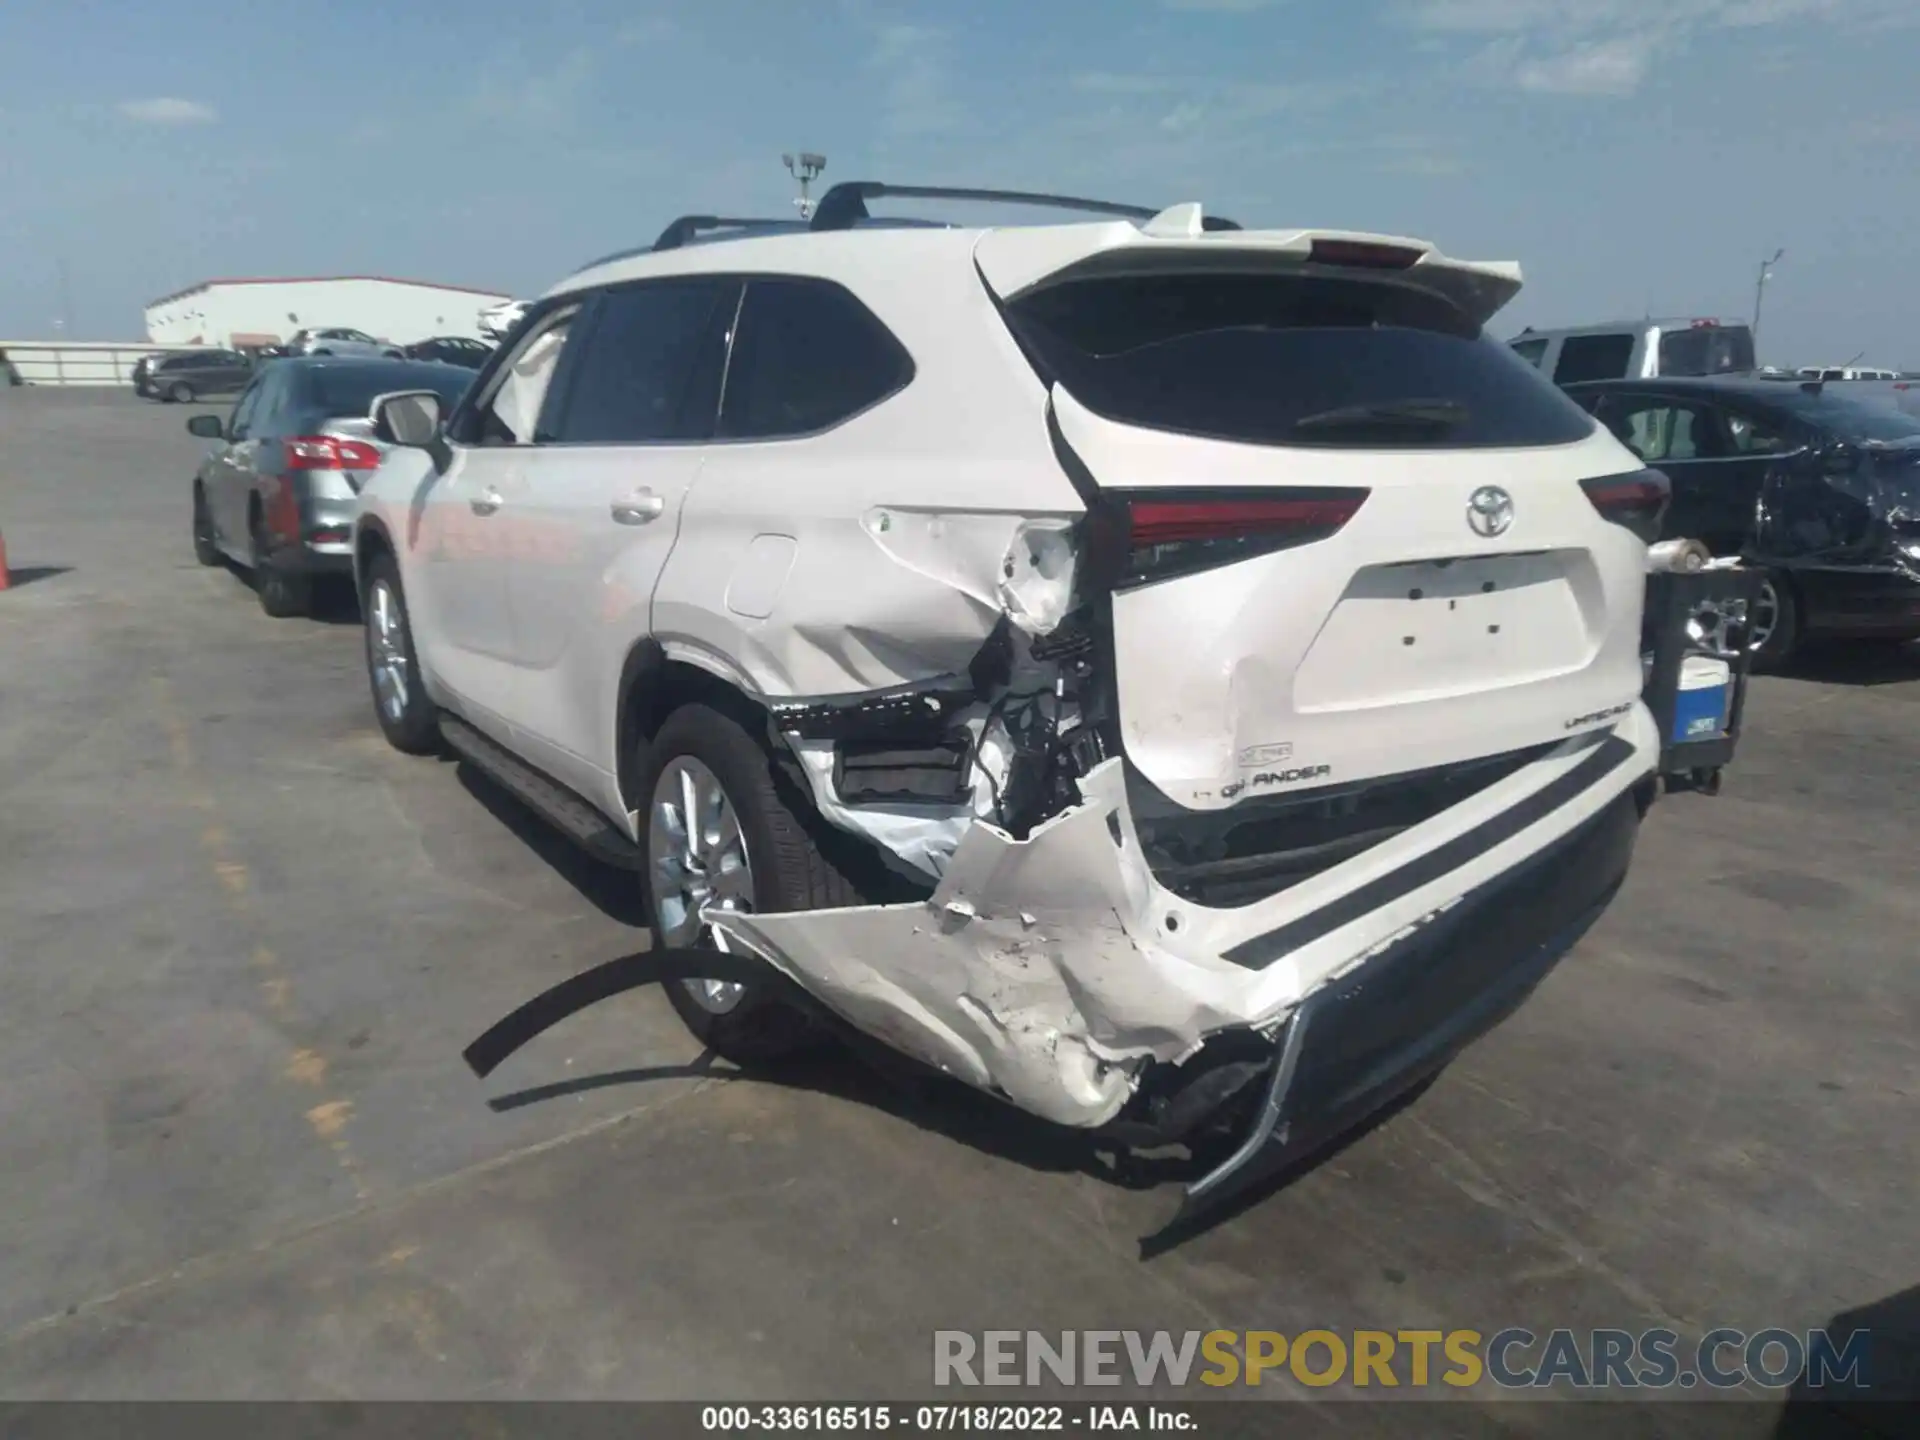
(1819, 489)
(451, 350)
(189, 374)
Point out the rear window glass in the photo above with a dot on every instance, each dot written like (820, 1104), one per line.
(1707, 350)
(1852, 418)
(1290, 360)
(351, 392)
(1593, 357)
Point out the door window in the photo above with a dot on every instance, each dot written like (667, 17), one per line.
(1660, 431)
(1748, 435)
(240, 423)
(270, 411)
(806, 356)
(1593, 357)
(646, 368)
(511, 415)
(1531, 351)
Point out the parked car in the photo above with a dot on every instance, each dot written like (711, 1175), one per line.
(187, 375)
(497, 320)
(1637, 348)
(340, 342)
(1089, 652)
(276, 493)
(1816, 485)
(1847, 372)
(451, 350)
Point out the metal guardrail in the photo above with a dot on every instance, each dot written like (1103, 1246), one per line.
(60, 362)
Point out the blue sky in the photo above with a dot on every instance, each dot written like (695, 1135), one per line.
(1631, 154)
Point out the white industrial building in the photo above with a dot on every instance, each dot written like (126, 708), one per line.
(239, 313)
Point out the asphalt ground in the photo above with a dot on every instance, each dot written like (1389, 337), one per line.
(242, 944)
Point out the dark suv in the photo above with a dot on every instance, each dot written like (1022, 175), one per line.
(185, 377)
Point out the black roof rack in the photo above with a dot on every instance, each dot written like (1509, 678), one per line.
(845, 205)
(687, 227)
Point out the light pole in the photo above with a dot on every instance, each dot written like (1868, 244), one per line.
(1760, 294)
(805, 167)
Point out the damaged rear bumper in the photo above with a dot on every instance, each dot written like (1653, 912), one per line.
(1058, 973)
(1353, 1047)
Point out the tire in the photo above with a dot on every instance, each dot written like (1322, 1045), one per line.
(206, 548)
(410, 725)
(180, 393)
(283, 594)
(1782, 638)
(785, 871)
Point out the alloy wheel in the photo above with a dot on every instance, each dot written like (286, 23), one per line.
(696, 861)
(387, 651)
(1766, 616)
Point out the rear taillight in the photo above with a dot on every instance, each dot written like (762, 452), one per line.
(330, 452)
(1637, 501)
(1178, 533)
(283, 512)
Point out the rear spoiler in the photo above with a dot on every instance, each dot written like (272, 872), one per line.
(1017, 262)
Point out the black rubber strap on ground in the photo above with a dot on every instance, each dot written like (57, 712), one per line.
(616, 977)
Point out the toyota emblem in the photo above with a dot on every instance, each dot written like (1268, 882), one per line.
(1489, 511)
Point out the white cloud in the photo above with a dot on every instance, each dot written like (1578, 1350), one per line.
(647, 30)
(532, 95)
(1609, 47)
(1598, 67)
(169, 110)
(1234, 101)
(1108, 82)
(916, 94)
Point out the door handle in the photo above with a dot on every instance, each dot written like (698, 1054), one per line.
(638, 508)
(486, 504)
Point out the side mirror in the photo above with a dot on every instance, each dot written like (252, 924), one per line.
(207, 427)
(407, 417)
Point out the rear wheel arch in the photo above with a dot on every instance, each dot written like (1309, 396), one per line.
(655, 686)
(652, 687)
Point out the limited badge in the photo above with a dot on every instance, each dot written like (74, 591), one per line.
(1265, 755)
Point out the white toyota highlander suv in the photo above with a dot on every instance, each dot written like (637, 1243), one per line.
(1178, 678)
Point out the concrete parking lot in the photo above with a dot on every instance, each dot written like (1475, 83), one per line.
(242, 944)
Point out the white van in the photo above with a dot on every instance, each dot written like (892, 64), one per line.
(1637, 350)
(1845, 372)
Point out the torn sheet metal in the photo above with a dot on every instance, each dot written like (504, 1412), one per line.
(1863, 516)
(991, 738)
(923, 837)
(1031, 972)
(1053, 970)
(1021, 567)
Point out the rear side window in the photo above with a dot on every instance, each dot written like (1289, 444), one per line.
(1707, 350)
(642, 372)
(806, 356)
(1593, 357)
(340, 392)
(1531, 351)
(1290, 360)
